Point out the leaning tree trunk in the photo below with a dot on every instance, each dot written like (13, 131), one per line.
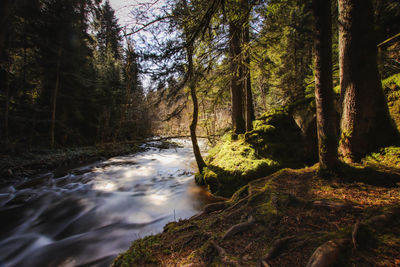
(193, 125)
(366, 124)
(192, 86)
(236, 73)
(326, 126)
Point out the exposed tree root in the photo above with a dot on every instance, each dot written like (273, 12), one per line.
(355, 234)
(383, 219)
(224, 256)
(214, 207)
(327, 254)
(243, 200)
(211, 208)
(240, 227)
(330, 204)
(264, 264)
(277, 245)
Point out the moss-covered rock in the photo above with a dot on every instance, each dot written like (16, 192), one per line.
(275, 142)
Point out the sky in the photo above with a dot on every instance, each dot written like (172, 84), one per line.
(124, 7)
(122, 10)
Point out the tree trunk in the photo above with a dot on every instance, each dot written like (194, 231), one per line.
(56, 88)
(192, 86)
(366, 124)
(193, 125)
(6, 107)
(326, 126)
(249, 116)
(6, 8)
(238, 122)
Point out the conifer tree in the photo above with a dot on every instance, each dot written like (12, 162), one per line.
(366, 124)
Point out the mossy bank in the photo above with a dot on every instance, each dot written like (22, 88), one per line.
(274, 143)
(293, 213)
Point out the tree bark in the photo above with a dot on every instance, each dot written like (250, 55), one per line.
(6, 8)
(192, 86)
(238, 122)
(55, 93)
(249, 116)
(6, 107)
(366, 124)
(326, 126)
(193, 125)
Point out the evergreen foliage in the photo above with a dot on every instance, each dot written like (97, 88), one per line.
(67, 78)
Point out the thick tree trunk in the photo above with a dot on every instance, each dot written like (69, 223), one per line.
(326, 126)
(366, 124)
(238, 122)
(249, 116)
(55, 93)
(193, 125)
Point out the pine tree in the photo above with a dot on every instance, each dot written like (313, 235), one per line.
(326, 126)
(366, 124)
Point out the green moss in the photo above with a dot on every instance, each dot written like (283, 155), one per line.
(210, 179)
(241, 193)
(141, 252)
(232, 164)
(274, 142)
(199, 178)
(391, 86)
(392, 81)
(388, 156)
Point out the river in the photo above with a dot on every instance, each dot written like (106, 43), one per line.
(90, 214)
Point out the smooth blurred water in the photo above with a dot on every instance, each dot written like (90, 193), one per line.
(89, 215)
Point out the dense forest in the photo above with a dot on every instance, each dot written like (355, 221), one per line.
(68, 76)
(299, 101)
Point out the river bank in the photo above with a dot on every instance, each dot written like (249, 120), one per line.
(289, 218)
(36, 161)
(41, 160)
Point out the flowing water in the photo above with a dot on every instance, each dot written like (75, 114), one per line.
(92, 213)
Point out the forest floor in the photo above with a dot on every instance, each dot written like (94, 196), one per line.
(349, 219)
